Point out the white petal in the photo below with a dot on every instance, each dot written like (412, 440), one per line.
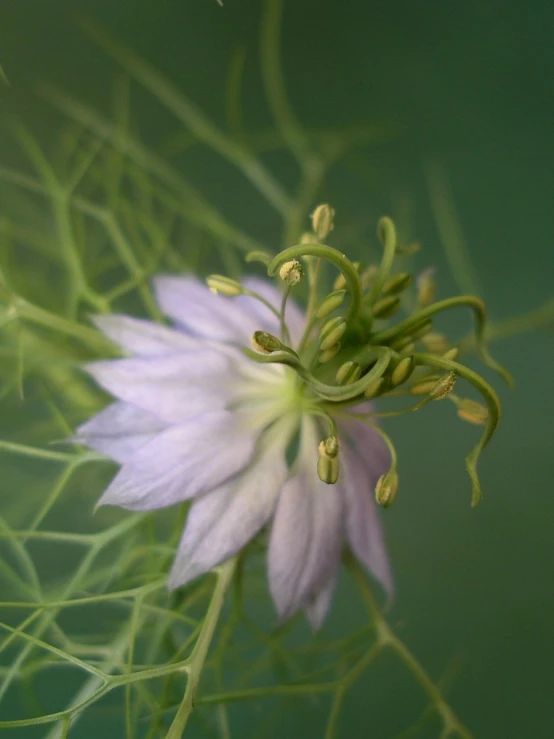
(221, 523)
(305, 541)
(173, 387)
(363, 528)
(318, 607)
(191, 305)
(118, 431)
(181, 462)
(144, 338)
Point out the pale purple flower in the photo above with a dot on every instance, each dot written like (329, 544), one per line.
(194, 418)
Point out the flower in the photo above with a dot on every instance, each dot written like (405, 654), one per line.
(197, 419)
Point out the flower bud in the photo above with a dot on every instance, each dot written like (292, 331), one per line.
(472, 412)
(221, 285)
(266, 343)
(375, 388)
(348, 373)
(333, 301)
(444, 386)
(386, 488)
(435, 343)
(331, 333)
(426, 287)
(386, 307)
(322, 221)
(396, 284)
(291, 272)
(328, 354)
(402, 371)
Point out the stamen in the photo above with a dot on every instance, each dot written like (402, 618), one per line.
(402, 371)
(323, 221)
(426, 287)
(328, 463)
(221, 285)
(387, 488)
(471, 411)
(330, 303)
(435, 343)
(348, 373)
(397, 283)
(386, 307)
(291, 272)
(444, 386)
(328, 354)
(331, 333)
(387, 483)
(375, 388)
(266, 343)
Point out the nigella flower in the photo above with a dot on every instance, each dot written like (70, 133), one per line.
(195, 418)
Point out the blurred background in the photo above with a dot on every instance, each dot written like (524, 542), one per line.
(462, 92)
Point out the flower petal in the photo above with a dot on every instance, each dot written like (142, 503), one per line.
(363, 528)
(221, 523)
(318, 607)
(305, 541)
(370, 445)
(118, 431)
(144, 338)
(181, 462)
(201, 313)
(268, 320)
(173, 387)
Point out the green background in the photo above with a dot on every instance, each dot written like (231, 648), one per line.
(469, 84)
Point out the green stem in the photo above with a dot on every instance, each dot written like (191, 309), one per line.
(29, 312)
(387, 234)
(284, 332)
(388, 639)
(334, 393)
(195, 664)
(194, 119)
(494, 408)
(274, 83)
(469, 301)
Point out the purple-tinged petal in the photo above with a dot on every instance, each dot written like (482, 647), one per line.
(268, 321)
(118, 431)
(144, 338)
(318, 607)
(192, 306)
(363, 528)
(370, 446)
(182, 462)
(222, 522)
(305, 541)
(173, 387)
